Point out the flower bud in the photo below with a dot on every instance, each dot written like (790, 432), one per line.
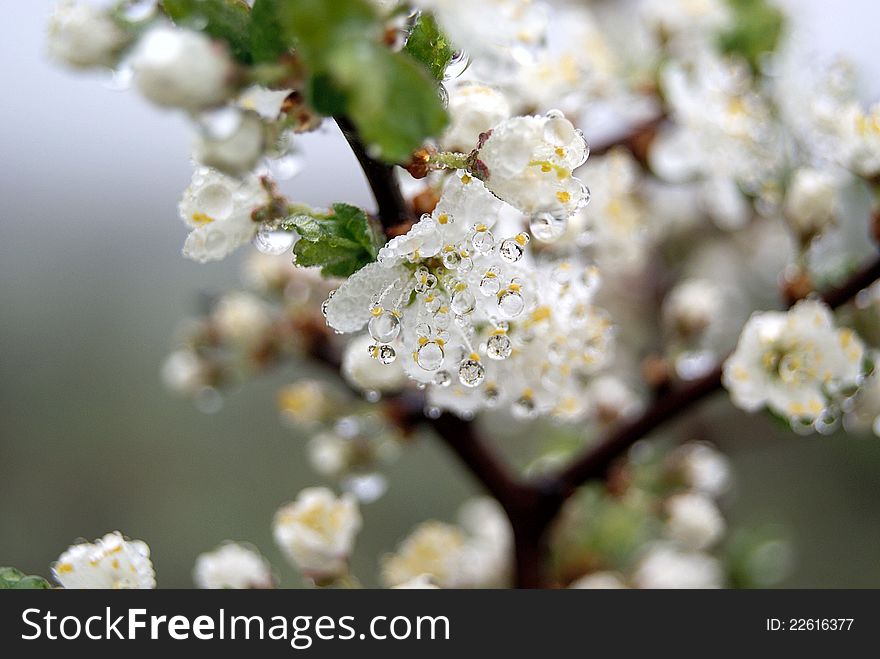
(181, 68)
(810, 203)
(83, 36)
(232, 566)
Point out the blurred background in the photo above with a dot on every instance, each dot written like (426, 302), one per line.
(92, 286)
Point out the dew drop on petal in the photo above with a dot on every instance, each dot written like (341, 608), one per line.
(366, 487)
(274, 241)
(499, 346)
(463, 302)
(511, 304)
(547, 228)
(511, 250)
(384, 328)
(387, 354)
(483, 242)
(471, 373)
(429, 356)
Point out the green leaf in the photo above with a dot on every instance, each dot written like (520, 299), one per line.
(756, 31)
(317, 26)
(12, 579)
(267, 42)
(227, 20)
(429, 45)
(392, 100)
(325, 96)
(340, 243)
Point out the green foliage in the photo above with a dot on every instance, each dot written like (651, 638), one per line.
(757, 29)
(429, 45)
(391, 99)
(267, 43)
(228, 20)
(341, 243)
(12, 579)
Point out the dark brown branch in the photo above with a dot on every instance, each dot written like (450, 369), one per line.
(596, 461)
(391, 206)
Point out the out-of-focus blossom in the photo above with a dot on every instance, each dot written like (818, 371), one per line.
(233, 566)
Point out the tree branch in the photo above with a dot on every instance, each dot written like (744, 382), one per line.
(391, 206)
(596, 461)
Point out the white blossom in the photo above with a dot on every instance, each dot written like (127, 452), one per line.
(182, 68)
(703, 468)
(860, 132)
(108, 562)
(219, 210)
(82, 35)
(474, 554)
(421, 582)
(236, 151)
(665, 567)
(473, 110)
(487, 326)
(183, 372)
(793, 362)
(242, 319)
(687, 24)
(724, 136)
(529, 163)
(317, 531)
(234, 566)
(811, 202)
(598, 581)
(694, 521)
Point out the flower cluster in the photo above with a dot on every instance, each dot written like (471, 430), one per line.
(108, 562)
(796, 363)
(474, 319)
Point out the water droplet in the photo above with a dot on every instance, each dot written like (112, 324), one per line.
(429, 356)
(120, 78)
(366, 487)
(457, 65)
(471, 373)
(499, 346)
(490, 284)
(139, 10)
(220, 124)
(433, 412)
(524, 408)
(285, 167)
(274, 241)
(326, 303)
(209, 400)
(442, 379)
(451, 259)
(511, 250)
(442, 320)
(511, 304)
(558, 130)
(384, 328)
(547, 228)
(387, 354)
(694, 364)
(463, 302)
(483, 242)
(491, 394)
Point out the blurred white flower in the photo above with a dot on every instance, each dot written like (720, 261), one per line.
(82, 35)
(665, 567)
(811, 202)
(598, 581)
(793, 362)
(473, 110)
(219, 210)
(108, 562)
(366, 373)
(235, 151)
(182, 68)
(317, 532)
(242, 319)
(694, 520)
(232, 565)
(421, 582)
(476, 554)
(183, 372)
(703, 468)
